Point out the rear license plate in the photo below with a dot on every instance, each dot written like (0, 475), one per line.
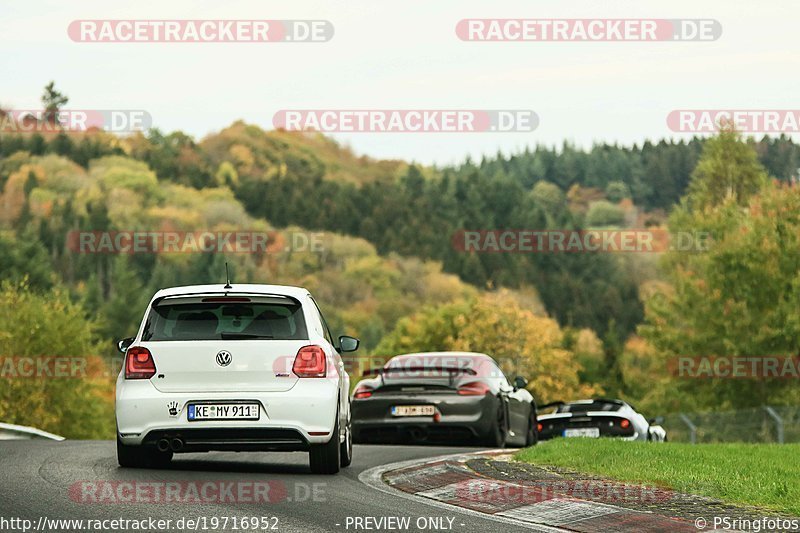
(582, 432)
(413, 410)
(224, 411)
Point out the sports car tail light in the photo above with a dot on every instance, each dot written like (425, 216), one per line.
(361, 392)
(139, 363)
(624, 423)
(310, 362)
(476, 388)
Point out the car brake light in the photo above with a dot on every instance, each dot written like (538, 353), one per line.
(139, 363)
(310, 362)
(624, 423)
(361, 392)
(476, 388)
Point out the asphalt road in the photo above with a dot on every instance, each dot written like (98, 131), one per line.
(59, 480)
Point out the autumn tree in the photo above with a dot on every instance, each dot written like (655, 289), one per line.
(39, 325)
(728, 170)
(740, 295)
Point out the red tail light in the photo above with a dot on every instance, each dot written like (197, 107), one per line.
(139, 363)
(476, 388)
(310, 362)
(625, 423)
(361, 392)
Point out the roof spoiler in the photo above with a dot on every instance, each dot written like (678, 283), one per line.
(551, 404)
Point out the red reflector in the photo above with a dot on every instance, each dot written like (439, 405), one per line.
(476, 388)
(318, 433)
(624, 423)
(226, 299)
(310, 362)
(539, 427)
(139, 363)
(361, 392)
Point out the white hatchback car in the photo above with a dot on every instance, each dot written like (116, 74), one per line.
(236, 368)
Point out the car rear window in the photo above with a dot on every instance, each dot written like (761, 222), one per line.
(176, 320)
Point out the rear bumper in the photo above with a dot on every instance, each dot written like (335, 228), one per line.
(230, 439)
(460, 418)
(288, 420)
(635, 436)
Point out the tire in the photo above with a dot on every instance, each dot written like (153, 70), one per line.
(497, 434)
(326, 458)
(532, 436)
(141, 457)
(347, 447)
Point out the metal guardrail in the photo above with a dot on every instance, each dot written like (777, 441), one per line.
(776, 424)
(15, 432)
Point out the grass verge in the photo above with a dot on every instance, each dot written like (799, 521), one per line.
(765, 475)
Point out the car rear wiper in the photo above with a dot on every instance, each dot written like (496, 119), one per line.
(232, 335)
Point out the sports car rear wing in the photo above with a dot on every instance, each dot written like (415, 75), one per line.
(451, 371)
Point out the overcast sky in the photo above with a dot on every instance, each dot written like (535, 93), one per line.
(405, 55)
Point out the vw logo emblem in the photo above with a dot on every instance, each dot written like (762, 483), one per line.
(224, 358)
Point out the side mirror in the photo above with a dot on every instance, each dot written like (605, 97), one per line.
(657, 421)
(348, 344)
(520, 382)
(124, 344)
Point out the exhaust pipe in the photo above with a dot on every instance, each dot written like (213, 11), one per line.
(176, 444)
(162, 445)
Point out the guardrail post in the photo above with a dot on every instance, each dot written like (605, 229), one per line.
(778, 422)
(692, 428)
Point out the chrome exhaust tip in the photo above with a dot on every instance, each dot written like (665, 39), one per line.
(162, 445)
(176, 444)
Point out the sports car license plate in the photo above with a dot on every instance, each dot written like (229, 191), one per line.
(582, 432)
(413, 410)
(224, 411)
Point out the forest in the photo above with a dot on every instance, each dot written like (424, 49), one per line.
(387, 270)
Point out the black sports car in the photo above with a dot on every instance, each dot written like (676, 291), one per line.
(443, 396)
(598, 418)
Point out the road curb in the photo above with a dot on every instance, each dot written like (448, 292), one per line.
(375, 478)
(448, 481)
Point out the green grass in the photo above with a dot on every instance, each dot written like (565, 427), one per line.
(765, 475)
